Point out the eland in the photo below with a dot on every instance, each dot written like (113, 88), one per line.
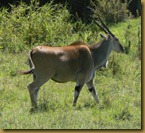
(76, 62)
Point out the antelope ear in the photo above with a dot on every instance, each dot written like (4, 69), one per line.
(109, 36)
(103, 36)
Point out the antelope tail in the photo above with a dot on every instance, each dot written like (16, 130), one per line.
(32, 67)
(26, 72)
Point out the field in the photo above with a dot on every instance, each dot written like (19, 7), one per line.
(118, 86)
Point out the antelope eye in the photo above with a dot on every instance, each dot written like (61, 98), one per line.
(116, 39)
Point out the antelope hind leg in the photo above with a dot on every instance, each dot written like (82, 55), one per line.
(33, 92)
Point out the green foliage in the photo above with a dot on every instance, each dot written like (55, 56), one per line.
(112, 11)
(26, 26)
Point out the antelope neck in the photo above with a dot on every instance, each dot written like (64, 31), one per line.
(101, 52)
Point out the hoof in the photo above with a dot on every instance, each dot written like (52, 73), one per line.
(74, 106)
(33, 110)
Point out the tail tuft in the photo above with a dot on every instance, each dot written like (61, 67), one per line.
(26, 72)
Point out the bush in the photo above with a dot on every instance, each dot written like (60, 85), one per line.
(26, 26)
(111, 11)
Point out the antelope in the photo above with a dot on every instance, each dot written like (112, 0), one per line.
(76, 62)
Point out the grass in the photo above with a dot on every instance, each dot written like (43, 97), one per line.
(119, 86)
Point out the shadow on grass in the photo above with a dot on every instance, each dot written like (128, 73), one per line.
(86, 106)
(44, 107)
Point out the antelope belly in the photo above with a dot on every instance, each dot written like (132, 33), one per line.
(63, 78)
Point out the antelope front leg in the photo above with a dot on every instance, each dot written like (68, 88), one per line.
(76, 94)
(91, 88)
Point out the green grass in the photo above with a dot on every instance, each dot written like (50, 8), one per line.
(119, 86)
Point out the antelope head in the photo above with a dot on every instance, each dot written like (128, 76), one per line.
(117, 47)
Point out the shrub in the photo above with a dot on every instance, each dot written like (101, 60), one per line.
(111, 11)
(26, 26)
